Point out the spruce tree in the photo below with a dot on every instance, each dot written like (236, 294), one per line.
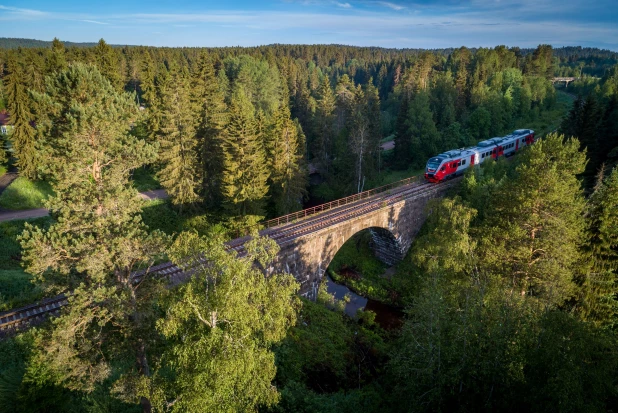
(424, 136)
(56, 60)
(403, 141)
(210, 117)
(96, 238)
(245, 175)
(178, 152)
(288, 180)
(23, 136)
(324, 119)
(150, 85)
(107, 62)
(600, 304)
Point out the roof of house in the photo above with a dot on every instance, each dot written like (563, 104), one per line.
(4, 118)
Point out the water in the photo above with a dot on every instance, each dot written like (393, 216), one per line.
(388, 317)
(339, 291)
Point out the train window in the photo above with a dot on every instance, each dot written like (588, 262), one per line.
(463, 162)
(442, 168)
(523, 140)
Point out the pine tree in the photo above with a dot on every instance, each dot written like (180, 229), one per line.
(536, 228)
(23, 136)
(210, 117)
(178, 153)
(96, 238)
(245, 173)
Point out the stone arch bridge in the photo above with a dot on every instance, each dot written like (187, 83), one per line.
(309, 239)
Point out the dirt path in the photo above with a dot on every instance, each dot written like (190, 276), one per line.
(6, 180)
(6, 215)
(388, 145)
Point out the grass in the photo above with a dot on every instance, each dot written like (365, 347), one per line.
(356, 255)
(387, 138)
(16, 286)
(550, 120)
(144, 179)
(25, 194)
(371, 281)
(3, 169)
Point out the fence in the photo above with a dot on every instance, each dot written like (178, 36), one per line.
(285, 219)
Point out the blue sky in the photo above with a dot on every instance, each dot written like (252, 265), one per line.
(422, 24)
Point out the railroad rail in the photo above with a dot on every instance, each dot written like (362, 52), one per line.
(288, 229)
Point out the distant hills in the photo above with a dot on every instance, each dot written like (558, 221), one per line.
(562, 52)
(14, 43)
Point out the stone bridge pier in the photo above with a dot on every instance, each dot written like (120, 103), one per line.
(392, 229)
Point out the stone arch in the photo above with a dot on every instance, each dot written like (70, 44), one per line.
(386, 246)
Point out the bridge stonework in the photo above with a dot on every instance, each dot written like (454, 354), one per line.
(392, 227)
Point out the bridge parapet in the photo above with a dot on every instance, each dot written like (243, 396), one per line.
(394, 213)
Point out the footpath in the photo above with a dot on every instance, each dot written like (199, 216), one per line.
(9, 215)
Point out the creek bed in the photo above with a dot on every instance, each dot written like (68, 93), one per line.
(387, 316)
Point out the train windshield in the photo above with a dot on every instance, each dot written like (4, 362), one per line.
(434, 163)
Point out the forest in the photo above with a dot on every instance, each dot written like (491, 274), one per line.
(508, 295)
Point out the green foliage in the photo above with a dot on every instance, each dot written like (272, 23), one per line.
(16, 286)
(356, 266)
(96, 238)
(144, 179)
(159, 215)
(25, 194)
(245, 174)
(327, 352)
(220, 327)
(285, 151)
(23, 135)
(178, 151)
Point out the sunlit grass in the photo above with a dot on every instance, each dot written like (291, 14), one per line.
(25, 194)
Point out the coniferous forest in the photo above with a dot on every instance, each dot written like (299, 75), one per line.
(507, 299)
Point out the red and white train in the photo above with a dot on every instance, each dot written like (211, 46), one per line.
(454, 162)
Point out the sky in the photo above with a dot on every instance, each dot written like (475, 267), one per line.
(397, 23)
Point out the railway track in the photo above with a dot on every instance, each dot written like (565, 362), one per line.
(282, 234)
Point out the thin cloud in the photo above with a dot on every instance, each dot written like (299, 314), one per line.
(390, 5)
(343, 5)
(24, 12)
(92, 21)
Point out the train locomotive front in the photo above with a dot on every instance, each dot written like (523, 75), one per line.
(453, 163)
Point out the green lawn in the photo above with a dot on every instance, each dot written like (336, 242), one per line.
(25, 194)
(16, 288)
(3, 170)
(144, 179)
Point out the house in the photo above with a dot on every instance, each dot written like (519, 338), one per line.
(5, 122)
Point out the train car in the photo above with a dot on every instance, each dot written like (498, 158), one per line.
(453, 163)
(450, 164)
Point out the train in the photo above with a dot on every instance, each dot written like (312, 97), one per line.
(453, 163)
